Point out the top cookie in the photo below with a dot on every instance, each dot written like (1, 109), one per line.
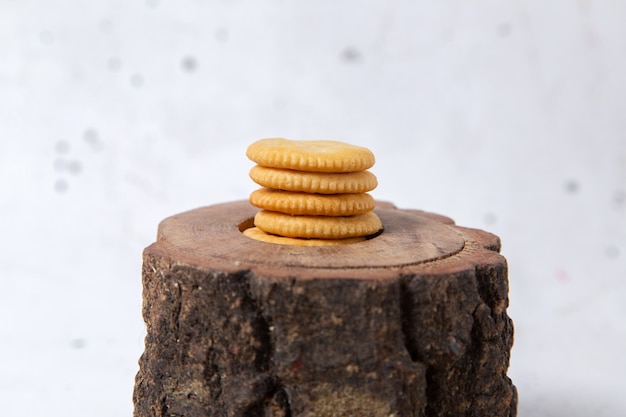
(310, 155)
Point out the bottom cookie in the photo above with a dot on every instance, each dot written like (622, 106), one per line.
(258, 234)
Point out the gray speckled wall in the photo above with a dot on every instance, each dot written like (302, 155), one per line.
(507, 116)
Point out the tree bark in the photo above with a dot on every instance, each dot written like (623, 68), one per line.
(409, 323)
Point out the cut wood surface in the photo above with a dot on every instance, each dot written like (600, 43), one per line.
(409, 323)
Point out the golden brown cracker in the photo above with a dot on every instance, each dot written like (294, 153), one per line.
(310, 155)
(312, 204)
(319, 227)
(314, 182)
(258, 234)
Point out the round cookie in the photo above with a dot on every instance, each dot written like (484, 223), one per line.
(319, 227)
(310, 155)
(258, 234)
(314, 182)
(312, 204)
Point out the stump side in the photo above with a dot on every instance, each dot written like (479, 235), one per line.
(430, 338)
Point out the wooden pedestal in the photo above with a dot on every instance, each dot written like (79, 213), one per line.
(410, 323)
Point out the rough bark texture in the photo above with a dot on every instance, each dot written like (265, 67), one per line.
(237, 327)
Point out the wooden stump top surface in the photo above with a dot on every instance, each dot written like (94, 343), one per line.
(211, 237)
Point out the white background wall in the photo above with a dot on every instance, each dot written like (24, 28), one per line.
(507, 116)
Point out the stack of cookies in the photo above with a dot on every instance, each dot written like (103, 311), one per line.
(315, 192)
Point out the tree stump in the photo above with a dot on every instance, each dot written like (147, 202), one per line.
(410, 323)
